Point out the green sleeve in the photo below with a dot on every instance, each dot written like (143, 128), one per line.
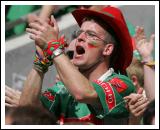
(50, 98)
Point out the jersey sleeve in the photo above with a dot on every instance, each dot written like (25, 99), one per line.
(50, 98)
(111, 93)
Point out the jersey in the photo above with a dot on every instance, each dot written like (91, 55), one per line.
(110, 89)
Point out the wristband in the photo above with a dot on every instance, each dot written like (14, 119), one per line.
(57, 52)
(50, 50)
(150, 63)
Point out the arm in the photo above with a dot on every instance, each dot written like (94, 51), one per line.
(149, 82)
(145, 49)
(32, 88)
(46, 11)
(75, 82)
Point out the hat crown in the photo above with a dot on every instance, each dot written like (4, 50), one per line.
(114, 12)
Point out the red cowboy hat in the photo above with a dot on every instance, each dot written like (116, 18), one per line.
(114, 18)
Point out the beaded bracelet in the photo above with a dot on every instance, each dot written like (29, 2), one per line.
(41, 63)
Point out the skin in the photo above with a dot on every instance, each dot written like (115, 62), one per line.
(145, 49)
(78, 85)
(12, 97)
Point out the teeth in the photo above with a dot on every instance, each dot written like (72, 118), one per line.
(80, 50)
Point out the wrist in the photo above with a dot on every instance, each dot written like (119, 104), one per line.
(54, 48)
(147, 59)
(41, 62)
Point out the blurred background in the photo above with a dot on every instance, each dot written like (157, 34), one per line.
(19, 49)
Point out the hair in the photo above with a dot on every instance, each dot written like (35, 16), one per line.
(149, 113)
(136, 68)
(31, 115)
(110, 37)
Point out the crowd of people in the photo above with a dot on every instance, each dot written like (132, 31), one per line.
(99, 81)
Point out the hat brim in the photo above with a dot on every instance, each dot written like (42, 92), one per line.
(125, 51)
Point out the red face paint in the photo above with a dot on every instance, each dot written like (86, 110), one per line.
(92, 44)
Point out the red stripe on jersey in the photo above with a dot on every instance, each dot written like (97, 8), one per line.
(109, 93)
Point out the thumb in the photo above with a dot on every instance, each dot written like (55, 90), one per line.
(140, 91)
(53, 21)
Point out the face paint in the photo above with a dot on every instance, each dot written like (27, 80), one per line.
(92, 44)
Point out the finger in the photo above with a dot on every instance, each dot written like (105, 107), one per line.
(8, 100)
(9, 93)
(32, 36)
(33, 31)
(18, 92)
(141, 104)
(36, 26)
(53, 21)
(134, 99)
(9, 105)
(140, 113)
(140, 108)
(9, 89)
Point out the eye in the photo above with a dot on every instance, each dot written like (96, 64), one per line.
(91, 34)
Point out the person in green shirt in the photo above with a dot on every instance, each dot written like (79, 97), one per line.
(95, 92)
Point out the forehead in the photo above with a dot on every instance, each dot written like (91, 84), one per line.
(93, 26)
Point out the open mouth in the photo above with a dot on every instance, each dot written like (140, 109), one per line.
(80, 50)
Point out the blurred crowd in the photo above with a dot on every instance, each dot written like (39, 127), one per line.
(133, 83)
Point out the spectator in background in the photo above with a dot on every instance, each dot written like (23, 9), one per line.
(145, 49)
(136, 74)
(137, 104)
(29, 115)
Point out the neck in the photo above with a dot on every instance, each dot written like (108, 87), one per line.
(95, 71)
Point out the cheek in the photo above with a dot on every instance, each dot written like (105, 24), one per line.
(92, 44)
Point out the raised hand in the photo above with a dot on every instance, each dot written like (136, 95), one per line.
(144, 47)
(12, 97)
(43, 31)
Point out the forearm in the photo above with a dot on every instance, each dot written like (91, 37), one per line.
(149, 82)
(78, 85)
(32, 88)
(46, 11)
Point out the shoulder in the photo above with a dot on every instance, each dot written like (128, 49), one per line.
(121, 83)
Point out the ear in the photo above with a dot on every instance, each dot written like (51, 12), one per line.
(134, 80)
(108, 49)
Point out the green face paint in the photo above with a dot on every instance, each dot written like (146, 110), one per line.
(92, 44)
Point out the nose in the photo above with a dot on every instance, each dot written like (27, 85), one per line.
(81, 37)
